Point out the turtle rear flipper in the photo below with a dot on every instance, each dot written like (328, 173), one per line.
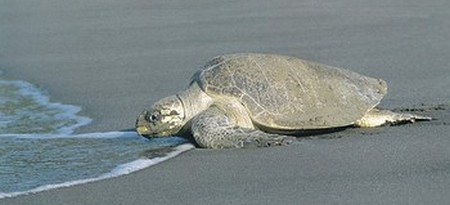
(377, 117)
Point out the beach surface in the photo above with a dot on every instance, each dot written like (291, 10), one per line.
(114, 58)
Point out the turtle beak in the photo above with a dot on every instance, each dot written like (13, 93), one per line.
(142, 130)
(142, 127)
(145, 132)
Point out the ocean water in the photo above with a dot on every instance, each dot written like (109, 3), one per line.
(39, 152)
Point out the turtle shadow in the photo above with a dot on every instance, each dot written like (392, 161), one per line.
(317, 132)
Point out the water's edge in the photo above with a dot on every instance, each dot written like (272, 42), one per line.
(30, 123)
(123, 169)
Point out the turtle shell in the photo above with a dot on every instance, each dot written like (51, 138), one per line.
(287, 93)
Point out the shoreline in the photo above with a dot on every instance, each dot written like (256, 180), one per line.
(114, 58)
(120, 170)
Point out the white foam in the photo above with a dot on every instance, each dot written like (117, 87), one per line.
(103, 135)
(163, 141)
(118, 171)
(61, 116)
(26, 89)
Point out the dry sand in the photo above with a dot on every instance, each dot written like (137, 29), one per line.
(115, 57)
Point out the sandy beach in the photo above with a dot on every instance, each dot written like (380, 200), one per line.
(114, 58)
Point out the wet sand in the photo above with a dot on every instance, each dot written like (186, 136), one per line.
(113, 58)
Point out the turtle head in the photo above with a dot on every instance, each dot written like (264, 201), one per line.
(165, 118)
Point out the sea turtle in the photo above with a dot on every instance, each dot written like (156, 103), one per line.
(258, 100)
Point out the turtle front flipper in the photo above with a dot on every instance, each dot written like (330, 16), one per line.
(214, 129)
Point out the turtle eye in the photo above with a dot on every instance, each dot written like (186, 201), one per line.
(152, 117)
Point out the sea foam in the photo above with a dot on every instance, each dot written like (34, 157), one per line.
(118, 171)
(24, 108)
(36, 135)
